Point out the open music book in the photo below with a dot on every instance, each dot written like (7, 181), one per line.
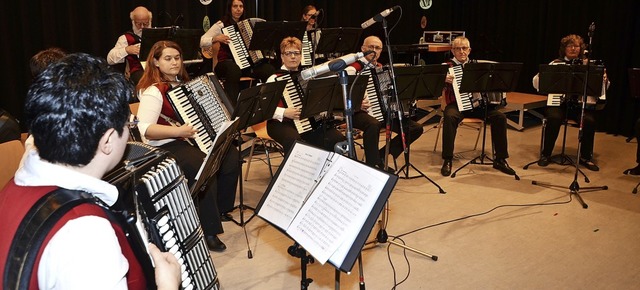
(326, 202)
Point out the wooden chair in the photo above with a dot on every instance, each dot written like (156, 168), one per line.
(134, 107)
(10, 155)
(268, 145)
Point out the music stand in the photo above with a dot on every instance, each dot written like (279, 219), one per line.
(411, 82)
(324, 95)
(213, 159)
(255, 105)
(187, 39)
(583, 80)
(382, 236)
(340, 40)
(486, 78)
(268, 35)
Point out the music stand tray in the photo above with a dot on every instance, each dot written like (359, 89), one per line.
(569, 79)
(490, 77)
(424, 81)
(325, 94)
(187, 39)
(213, 159)
(340, 39)
(257, 104)
(268, 35)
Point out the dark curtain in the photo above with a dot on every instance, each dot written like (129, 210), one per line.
(526, 31)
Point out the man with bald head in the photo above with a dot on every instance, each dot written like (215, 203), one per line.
(368, 124)
(128, 45)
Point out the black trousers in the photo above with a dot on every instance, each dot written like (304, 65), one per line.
(286, 134)
(555, 118)
(412, 132)
(221, 189)
(370, 136)
(453, 116)
(231, 73)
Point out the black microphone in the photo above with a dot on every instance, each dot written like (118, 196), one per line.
(378, 17)
(337, 64)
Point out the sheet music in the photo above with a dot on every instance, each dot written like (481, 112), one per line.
(296, 181)
(337, 209)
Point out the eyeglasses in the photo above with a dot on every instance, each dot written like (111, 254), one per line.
(374, 47)
(292, 53)
(140, 24)
(461, 48)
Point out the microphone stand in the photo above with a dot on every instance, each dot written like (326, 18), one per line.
(382, 236)
(347, 147)
(399, 111)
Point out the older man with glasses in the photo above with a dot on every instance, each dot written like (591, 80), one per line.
(461, 48)
(128, 45)
(369, 125)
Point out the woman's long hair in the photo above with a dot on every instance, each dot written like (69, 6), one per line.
(227, 19)
(152, 73)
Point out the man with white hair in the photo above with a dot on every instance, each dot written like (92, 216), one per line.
(128, 45)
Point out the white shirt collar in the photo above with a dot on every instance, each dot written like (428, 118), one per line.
(455, 60)
(38, 172)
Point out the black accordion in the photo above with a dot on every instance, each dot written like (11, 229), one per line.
(156, 203)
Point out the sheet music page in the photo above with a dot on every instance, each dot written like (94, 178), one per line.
(293, 185)
(337, 209)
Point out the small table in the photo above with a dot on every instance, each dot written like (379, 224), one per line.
(523, 102)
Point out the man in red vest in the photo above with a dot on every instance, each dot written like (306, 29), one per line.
(77, 111)
(128, 45)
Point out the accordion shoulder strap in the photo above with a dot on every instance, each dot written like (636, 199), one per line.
(32, 231)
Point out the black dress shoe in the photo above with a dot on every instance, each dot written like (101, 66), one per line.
(588, 164)
(502, 165)
(544, 161)
(446, 168)
(226, 217)
(215, 244)
(633, 171)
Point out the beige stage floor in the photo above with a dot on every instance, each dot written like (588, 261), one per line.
(489, 230)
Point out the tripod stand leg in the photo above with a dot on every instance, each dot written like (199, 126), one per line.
(361, 269)
(432, 257)
(405, 169)
(472, 161)
(241, 207)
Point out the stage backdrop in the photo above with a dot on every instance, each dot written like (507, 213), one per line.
(526, 31)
